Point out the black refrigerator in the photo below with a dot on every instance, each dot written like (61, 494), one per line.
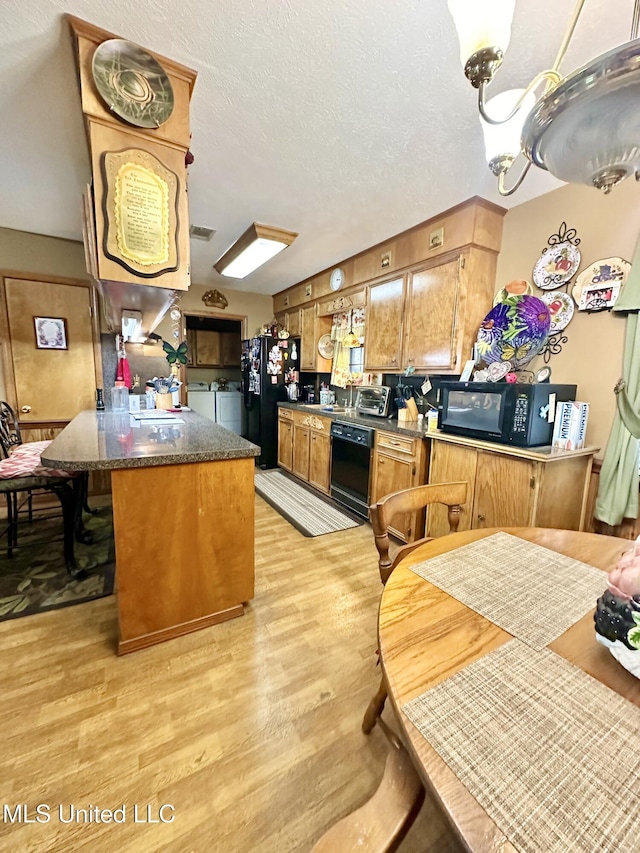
(267, 364)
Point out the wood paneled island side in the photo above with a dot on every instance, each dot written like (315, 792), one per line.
(183, 515)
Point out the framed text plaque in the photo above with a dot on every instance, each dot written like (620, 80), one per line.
(140, 205)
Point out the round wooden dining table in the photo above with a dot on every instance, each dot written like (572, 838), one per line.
(426, 636)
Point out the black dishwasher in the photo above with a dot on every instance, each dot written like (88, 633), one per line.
(350, 465)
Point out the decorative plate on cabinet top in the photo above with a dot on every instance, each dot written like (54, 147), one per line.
(326, 347)
(561, 308)
(556, 266)
(600, 284)
(132, 83)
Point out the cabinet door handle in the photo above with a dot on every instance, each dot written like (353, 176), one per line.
(25, 409)
(480, 517)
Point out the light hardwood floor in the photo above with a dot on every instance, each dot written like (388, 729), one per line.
(249, 729)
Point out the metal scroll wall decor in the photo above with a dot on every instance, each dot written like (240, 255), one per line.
(553, 273)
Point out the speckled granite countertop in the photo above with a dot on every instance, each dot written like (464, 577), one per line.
(412, 428)
(110, 440)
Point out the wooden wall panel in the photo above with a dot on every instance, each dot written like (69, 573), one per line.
(109, 138)
(176, 129)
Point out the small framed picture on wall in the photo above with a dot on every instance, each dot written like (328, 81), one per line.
(51, 332)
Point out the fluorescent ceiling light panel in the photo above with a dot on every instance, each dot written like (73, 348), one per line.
(258, 244)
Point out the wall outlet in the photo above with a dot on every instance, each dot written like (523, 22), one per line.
(307, 290)
(436, 238)
(385, 260)
(286, 301)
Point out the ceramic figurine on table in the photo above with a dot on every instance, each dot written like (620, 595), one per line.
(617, 615)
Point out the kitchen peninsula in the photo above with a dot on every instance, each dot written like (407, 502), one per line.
(183, 514)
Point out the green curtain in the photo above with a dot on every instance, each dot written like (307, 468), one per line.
(618, 489)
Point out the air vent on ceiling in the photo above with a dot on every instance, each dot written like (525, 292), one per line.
(201, 233)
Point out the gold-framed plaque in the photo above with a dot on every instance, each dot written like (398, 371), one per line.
(140, 208)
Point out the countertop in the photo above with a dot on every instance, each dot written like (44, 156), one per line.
(412, 429)
(111, 440)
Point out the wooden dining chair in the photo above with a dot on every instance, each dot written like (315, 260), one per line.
(381, 515)
(22, 471)
(380, 825)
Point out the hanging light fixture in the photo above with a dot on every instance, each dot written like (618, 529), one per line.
(583, 128)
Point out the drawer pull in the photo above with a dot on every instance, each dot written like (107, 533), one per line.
(480, 517)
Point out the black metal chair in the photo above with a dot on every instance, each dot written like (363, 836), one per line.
(21, 471)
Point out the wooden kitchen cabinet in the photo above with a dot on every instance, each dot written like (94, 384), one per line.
(432, 297)
(208, 349)
(304, 446)
(300, 456)
(293, 323)
(213, 349)
(511, 487)
(384, 316)
(312, 327)
(399, 463)
(230, 347)
(285, 439)
(320, 461)
(429, 318)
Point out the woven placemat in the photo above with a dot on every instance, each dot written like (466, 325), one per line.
(529, 591)
(552, 755)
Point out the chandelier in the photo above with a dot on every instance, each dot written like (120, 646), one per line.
(583, 128)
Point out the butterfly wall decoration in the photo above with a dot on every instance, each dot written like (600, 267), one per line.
(175, 354)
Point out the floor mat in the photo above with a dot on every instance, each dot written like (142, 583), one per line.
(35, 578)
(310, 514)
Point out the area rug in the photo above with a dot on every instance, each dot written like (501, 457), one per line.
(307, 512)
(35, 578)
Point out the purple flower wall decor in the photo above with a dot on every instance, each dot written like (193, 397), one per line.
(514, 330)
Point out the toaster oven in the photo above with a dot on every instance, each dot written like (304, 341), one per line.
(373, 400)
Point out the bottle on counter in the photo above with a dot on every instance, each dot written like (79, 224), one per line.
(99, 400)
(120, 397)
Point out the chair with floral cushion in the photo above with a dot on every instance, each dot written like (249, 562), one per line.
(22, 471)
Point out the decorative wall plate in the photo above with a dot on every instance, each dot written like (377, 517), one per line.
(518, 287)
(561, 308)
(598, 287)
(132, 83)
(556, 265)
(326, 347)
(514, 331)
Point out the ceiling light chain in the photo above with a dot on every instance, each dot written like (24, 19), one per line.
(554, 129)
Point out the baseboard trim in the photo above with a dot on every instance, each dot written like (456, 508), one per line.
(146, 640)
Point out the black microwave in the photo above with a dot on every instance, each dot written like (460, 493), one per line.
(516, 413)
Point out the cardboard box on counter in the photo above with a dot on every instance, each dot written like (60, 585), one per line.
(570, 428)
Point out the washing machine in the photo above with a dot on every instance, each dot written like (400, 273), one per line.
(201, 399)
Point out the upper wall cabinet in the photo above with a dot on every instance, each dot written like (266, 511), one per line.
(383, 339)
(312, 328)
(476, 223)
(430, 318)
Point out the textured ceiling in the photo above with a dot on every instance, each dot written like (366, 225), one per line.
(346, 121)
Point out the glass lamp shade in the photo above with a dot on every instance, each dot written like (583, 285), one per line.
(481, 24)
(587, 130)
(502, 141)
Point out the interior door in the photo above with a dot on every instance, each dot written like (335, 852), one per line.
(54, 374)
